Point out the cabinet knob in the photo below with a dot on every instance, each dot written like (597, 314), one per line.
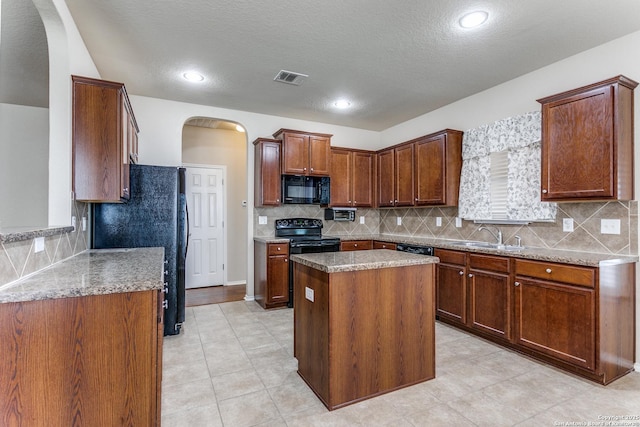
(544, 191)
(355, 245)
(304, 169)
(286, 260)
(548, 270)
(391, 201)
(278, 248)
(516, 283)
(311, 169)
(461, 273)
(416, 199)
(470, 275)
(349, 201)
(277, 200)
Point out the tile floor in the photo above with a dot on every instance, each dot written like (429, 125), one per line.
(233, 366)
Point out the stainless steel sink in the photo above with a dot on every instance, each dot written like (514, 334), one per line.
(487, 245)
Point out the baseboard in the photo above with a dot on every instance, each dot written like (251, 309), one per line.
(236, 282)
(636, 367)
(249, 298)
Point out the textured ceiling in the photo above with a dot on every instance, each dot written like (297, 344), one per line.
(393, 60)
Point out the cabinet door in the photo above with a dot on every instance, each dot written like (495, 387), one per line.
(451, 293)
(319, 155)
(404, 176)
(341, 173)
(430, 171)
(267, 179)
(362, 179)
(557, 320)
(384, 245)
(386, 178)
(491, 309)
(278, 279)
(295, 154)
(578, 146)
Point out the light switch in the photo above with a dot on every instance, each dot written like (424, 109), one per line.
(308, 294)
(438, 221)
(610, 226)
(362, 220)
(399, 220)
(38, 244)
(262, 220)
(567, 224)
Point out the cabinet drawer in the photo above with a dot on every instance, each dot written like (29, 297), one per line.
(356, 245)
(574, 275)
(384, 245)
(451, 257)
(492, 263)
(278, 248)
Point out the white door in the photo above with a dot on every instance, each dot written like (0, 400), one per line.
(205, 201)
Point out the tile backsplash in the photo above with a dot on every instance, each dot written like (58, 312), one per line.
(422, 222)
(18, 259)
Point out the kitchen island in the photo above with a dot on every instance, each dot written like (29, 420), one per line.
(82, 341)
(364, 322)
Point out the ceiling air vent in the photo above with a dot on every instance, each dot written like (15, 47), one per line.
(290, 77)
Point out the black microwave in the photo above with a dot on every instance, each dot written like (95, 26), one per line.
(305, 189)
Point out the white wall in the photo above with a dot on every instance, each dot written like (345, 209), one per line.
(221, 147)
(24, 168)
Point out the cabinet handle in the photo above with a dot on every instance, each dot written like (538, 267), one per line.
(311, 169)
(277, 200)
(355, 245)
(461, 273)
(286, 260)
(416, 199)
(544, 191)
(470, 275)
(391, 201)
(548, 270)
(516, 283)
(304, 169)
(278, 248)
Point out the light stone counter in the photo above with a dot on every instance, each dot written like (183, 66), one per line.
(336, 262)
(589, 259)
(92, 272)
(16, 234)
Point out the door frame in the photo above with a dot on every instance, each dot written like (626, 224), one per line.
(224, 213)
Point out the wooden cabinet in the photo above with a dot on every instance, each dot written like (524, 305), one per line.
(352, 177)
(395, 176)
(305, 153)
(451, 288)
(490, 295)
(89, 360)
(587, 142)
(271, 274)
(356, 245)
(384, 245)
(267, 183)
(438, 162)
(104, 140)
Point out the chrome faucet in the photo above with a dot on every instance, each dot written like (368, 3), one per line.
(497, 236)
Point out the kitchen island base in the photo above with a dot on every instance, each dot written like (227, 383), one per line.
(359, 334)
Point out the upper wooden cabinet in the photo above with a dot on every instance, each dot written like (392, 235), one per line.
(305, 153)
(438, 162)
(104, 140)
(352, 177)
(395, 176)
(587, 142)
(267, 172)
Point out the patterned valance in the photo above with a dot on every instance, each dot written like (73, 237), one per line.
(520, 135)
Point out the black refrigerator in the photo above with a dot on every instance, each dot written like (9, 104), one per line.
(155, 215)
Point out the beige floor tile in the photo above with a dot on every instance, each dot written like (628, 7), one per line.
(250, 342)
(276, 375)
(236, 384)
(293, 396)
(485, 411)
(248, 410)
(185, 396)
(439, 415)
(203, 416)
(186, 367)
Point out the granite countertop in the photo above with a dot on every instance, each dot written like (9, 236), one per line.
(271, 239)
(589, 259)
(16, 234)
(336, 262)
(92, 272)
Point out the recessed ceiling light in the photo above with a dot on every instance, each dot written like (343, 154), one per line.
(342, 104)
(193, 76)
(239, 128)
(474, 19)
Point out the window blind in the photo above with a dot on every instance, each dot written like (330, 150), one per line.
(498, 184)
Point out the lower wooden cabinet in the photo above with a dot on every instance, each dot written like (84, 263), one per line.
(90, 360)
(356, 245)
(271, 274)
(451, 288)
(384, 245)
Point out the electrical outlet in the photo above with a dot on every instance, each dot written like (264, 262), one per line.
(84, 223)
(398, 220)
(438, 221)
(38, 244)
(73, 222)
(309, 293)
(262, 220)
(362, 220)
(610, 226)
(567, 225)
(458, 222)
